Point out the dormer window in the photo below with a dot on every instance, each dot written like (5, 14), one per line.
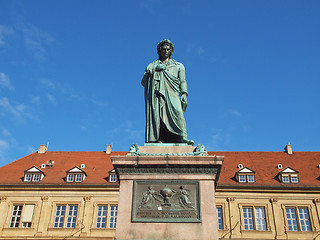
(70, 177)
(75, 174)
(294, 179)
(289, 175)
(112, 176)
(27, 177)
(245, 175)
(33, 174)
(242, 178)
(250, 178)
(79, 178)
(36, 177)
(285, 179)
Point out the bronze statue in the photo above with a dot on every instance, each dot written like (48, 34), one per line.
(165, 98)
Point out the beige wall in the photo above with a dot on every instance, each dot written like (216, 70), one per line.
(45, 202)
(88, 199)
(275, 204)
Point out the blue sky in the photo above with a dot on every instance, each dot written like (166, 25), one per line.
(70, 73)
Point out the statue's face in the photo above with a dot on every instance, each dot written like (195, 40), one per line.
(165, 51)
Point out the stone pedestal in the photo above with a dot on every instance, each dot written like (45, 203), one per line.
(167, 192)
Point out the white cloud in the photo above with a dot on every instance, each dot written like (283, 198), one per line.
(4, 31)
(4, 145)
(44, 82)
(200, 51)
(5, 81)
(195, 50)
(97, 102)
(31, 150)
(36, 41)
(15, 111)
(219, 140)
(128, 130)
(234, 112)
(6, 133)
(52, 99)
(35, 100)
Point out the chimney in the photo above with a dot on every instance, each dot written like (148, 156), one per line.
(109, 149)
(42, 149)
(288, 149)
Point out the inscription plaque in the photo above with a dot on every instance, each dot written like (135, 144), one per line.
(166, 201)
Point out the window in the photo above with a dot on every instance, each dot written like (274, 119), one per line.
(298, 219)
(246, 178)
(250, 178)
(21, 216)
(74, 177)
(294, 179)
(289, 175)
(32, 177)
(33, 174)
(16, 216)
(290, 179)
(106, 216)
(102, 216)
(113, 216)
(79, 178)
(75, 174)
(242, 178)
(36, 177)
(113, 178)
(27, 177)
(245, 175)
(70, 178)
(60, 216)
(254, 218)
(219, 217)
(285, 179)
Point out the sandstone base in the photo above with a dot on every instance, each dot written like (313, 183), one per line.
(174, 166)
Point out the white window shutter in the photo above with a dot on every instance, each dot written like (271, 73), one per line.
(27, 213)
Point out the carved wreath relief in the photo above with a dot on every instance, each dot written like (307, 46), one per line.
(166, 202)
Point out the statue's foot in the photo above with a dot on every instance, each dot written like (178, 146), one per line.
(187, 141)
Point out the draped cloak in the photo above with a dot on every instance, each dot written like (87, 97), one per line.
(162, 93)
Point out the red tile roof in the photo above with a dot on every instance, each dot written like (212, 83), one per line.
(265, 166)
(98, 164)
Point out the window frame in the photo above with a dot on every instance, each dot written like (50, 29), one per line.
(112, 225)
(69, 176)
(251, 175)
(289, 177)
(245, 177)
(253, 207)
(101, 216)
(75, 177)
(66, 215)
(21, 216)
(222, 217)
(36, 175)
(29, 175)
(108, 217)
(113, 178)
(297, 217)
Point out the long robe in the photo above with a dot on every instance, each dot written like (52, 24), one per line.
(163, 90)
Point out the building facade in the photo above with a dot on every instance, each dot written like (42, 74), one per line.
(65, 195)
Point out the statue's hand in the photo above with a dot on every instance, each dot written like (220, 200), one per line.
(160, 67)
(184, 98)
(184, 102)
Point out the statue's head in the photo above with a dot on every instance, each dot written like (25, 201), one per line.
(163, 43)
